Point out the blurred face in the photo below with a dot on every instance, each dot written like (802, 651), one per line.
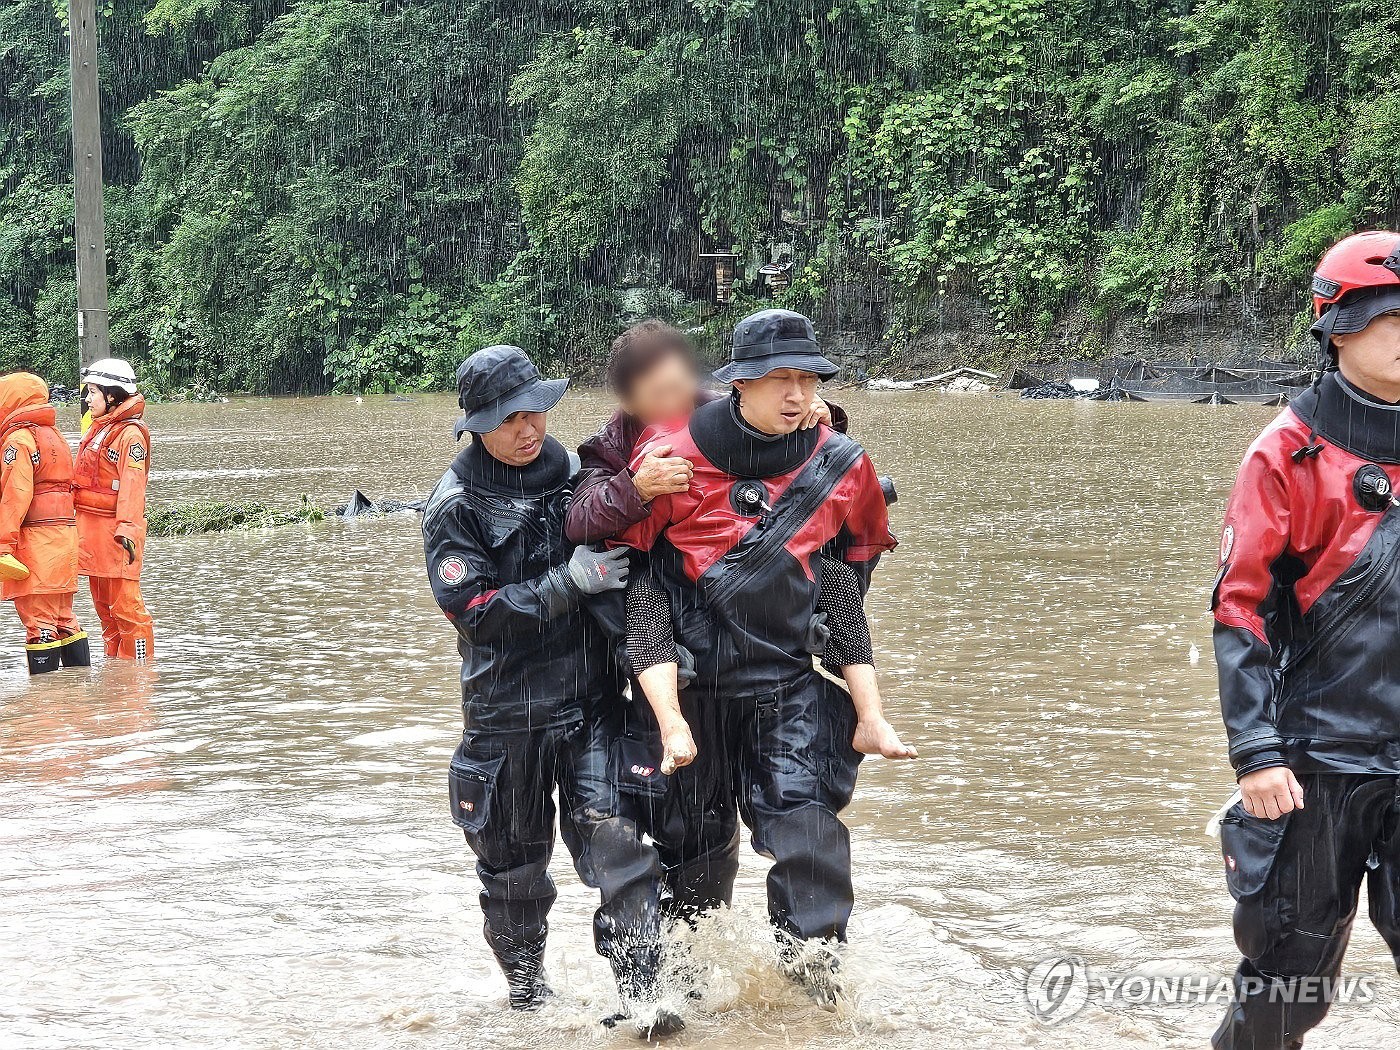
(777, 403)
(518, 440)
(664, 392)
(96, 401)
(1370, 359)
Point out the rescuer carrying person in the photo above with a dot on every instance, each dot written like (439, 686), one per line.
(109, 492)
(1307, 624)
(38, 531)
(737, 557)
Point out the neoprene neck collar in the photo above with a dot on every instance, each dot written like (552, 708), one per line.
(739, 449)
(1351, 419)
(548, 471)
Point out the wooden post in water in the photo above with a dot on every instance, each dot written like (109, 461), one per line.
(89, 223)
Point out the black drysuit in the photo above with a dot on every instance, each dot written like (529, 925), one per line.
(542, 708)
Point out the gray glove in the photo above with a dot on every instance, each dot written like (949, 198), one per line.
(593, 572)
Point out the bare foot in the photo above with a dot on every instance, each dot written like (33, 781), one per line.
(879, 738)
(679, 749)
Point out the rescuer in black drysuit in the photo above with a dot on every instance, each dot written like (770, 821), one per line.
(1307, 611)
(738, 558)
(541, 695)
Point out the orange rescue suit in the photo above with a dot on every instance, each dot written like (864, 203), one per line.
(36, 475)
(109, 490)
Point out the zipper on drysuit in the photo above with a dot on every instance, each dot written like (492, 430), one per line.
(1349, 609)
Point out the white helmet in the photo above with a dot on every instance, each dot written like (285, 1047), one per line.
(111, 371)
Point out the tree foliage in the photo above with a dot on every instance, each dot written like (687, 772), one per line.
(342, 194)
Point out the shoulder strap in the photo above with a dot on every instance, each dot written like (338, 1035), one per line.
(811, 487)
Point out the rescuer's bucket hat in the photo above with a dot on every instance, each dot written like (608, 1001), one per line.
(773, 339)
(499, 380)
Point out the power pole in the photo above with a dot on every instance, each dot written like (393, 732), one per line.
(89, 222)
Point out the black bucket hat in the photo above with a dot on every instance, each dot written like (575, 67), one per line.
(1355, 312)
(772, 339)
(499, 380)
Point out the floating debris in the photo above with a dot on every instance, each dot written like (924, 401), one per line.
(967, 385)
(196, 518)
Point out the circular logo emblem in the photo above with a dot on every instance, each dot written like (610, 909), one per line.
(1227, 542)
(1057, 988)
(451, 571)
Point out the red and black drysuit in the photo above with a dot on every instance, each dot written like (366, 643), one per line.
(605, 499)
(1307, 610)
(542, 708)
(738, 556)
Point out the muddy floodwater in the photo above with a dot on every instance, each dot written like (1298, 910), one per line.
(250, 845)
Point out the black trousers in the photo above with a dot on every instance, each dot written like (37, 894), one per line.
(782, 763)
(501, 784)
(1297, 883)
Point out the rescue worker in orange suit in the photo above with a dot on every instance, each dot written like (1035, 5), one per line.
(38, 533)
(109, 490)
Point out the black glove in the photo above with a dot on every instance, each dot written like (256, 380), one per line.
(129, 546)
(593, 572)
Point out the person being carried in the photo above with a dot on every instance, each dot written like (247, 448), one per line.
(38, 529)
(653, 373)
(541, 696)
(1307, 618)
(109, 494)
(737, 555)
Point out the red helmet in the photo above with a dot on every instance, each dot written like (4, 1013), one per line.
(1363, 260)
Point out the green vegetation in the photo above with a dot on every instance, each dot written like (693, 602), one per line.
(339, 194)
(190, 519)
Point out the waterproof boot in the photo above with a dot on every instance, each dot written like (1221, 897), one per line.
(74, 651)
(43, 654)
(814, 967)
(523, 965)
(638, 972)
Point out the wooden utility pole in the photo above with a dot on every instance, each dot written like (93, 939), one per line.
(89, 223)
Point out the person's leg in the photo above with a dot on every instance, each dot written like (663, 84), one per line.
(73, 649)
(697, 825)
(103, 594)
(1296, 889)
(1383, 881)
(609, 785)
(798, 771)
(501, 788)
(41, 637)
(135, 628)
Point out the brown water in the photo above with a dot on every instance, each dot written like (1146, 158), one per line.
(251, 847)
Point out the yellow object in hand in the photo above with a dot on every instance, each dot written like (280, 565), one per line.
(11, 568)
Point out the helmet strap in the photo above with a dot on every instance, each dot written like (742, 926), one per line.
(1327, 353)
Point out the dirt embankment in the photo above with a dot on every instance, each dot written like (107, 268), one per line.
(962, 332)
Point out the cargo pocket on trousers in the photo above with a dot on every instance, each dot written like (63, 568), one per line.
(1250, 847)
(638, 767)
(471, 784)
